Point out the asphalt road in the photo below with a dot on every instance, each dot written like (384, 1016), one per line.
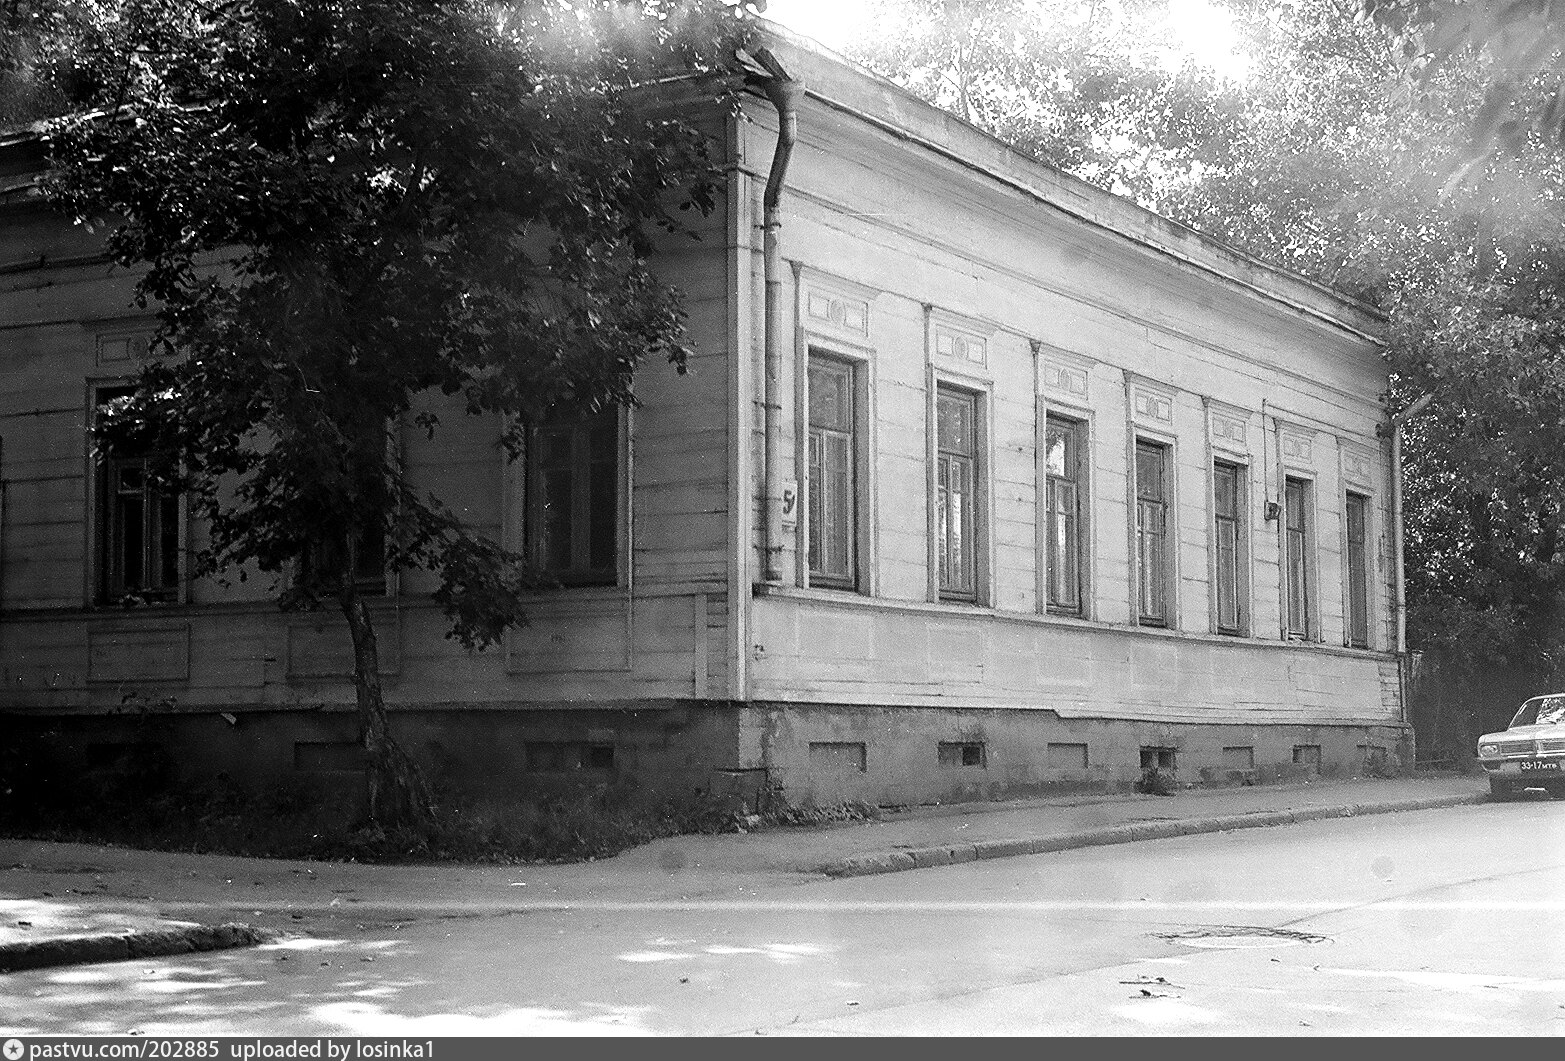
(1442, 922)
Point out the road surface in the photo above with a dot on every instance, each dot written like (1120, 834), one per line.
(1445, 922)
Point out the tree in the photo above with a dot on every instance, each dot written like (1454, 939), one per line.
(340, 208)
(1517, 45)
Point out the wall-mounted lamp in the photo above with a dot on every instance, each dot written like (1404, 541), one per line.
(1273, 510)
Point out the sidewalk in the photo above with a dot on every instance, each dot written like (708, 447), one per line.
(53, 897)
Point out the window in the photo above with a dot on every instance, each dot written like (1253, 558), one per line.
(1358, 570)
(956, 418)
(1152, 533)
(1296, 494)
(1227, 504)
(1062, 446)
(833, 522)
(369, 560)
(573, 487)
(137, 524)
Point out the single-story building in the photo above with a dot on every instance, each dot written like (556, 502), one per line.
(983, 482)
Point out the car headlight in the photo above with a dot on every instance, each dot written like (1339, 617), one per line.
(1488, 751)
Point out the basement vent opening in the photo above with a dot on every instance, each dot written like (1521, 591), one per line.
(1157, 758)
(1307, 755)
(838, 756)
(962, 753)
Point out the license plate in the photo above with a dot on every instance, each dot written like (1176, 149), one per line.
(1532, 766)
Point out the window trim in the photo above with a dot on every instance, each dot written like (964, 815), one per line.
(95, 530)
(860, 492)
(530, 514)
(1080, 430)
(1241, 552)
(1169, 536)
(1303, 580)
(980, 459)
(1365, 500)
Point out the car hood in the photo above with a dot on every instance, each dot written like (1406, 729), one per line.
(1524, 733)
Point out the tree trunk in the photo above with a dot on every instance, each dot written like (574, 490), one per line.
(397, 795)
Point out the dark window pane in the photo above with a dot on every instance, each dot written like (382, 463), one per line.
(168, 540)
(603, 518)
(832, 510)
(954, 414)
(1226, 493)
(1295, 499)
(557, 486)
(1063, 490)
(1358, 571)
(1151, 533)
(957, 477)
(831, 395)
(573, 519)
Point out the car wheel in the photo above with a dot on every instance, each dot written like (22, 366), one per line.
(1501, 789)
(1557, 791)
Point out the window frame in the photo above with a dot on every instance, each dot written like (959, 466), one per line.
(1077, 433)
(973, 543)
(813, 502)
(1139, 535)
(1298, 598)
(100, 588)
(579, 574)
(1238, 587)
(1356, 590)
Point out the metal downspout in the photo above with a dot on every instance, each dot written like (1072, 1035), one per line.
(784, 93)
(1398, 538)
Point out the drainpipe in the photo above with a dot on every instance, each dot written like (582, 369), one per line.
(784, 92)
(1397, 536)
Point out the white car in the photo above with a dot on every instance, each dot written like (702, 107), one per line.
(1530, 752)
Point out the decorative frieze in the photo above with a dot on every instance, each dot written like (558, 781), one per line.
(123, 348)
(1069, 380)
(1153, 405)
(1357, 466)
(1296, 448)
(958, 345)
(1228, 431)
(838, 312)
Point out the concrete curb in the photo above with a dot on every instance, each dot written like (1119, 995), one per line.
(950, 854)
(81, 950)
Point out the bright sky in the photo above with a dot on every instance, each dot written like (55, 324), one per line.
(1206, 32)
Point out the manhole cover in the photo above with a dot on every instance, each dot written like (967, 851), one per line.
(1237, 937)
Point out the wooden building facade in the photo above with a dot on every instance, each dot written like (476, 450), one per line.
(1043, 489)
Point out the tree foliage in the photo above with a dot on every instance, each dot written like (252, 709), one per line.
(342, 210)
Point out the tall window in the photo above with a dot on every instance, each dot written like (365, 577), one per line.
(1152, 533)
(1358, 570)
(1296, 528)
(573, 487)
(1227, 531)
(137, 524)
(1063, 554)
(956, 475)
(833, 452)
